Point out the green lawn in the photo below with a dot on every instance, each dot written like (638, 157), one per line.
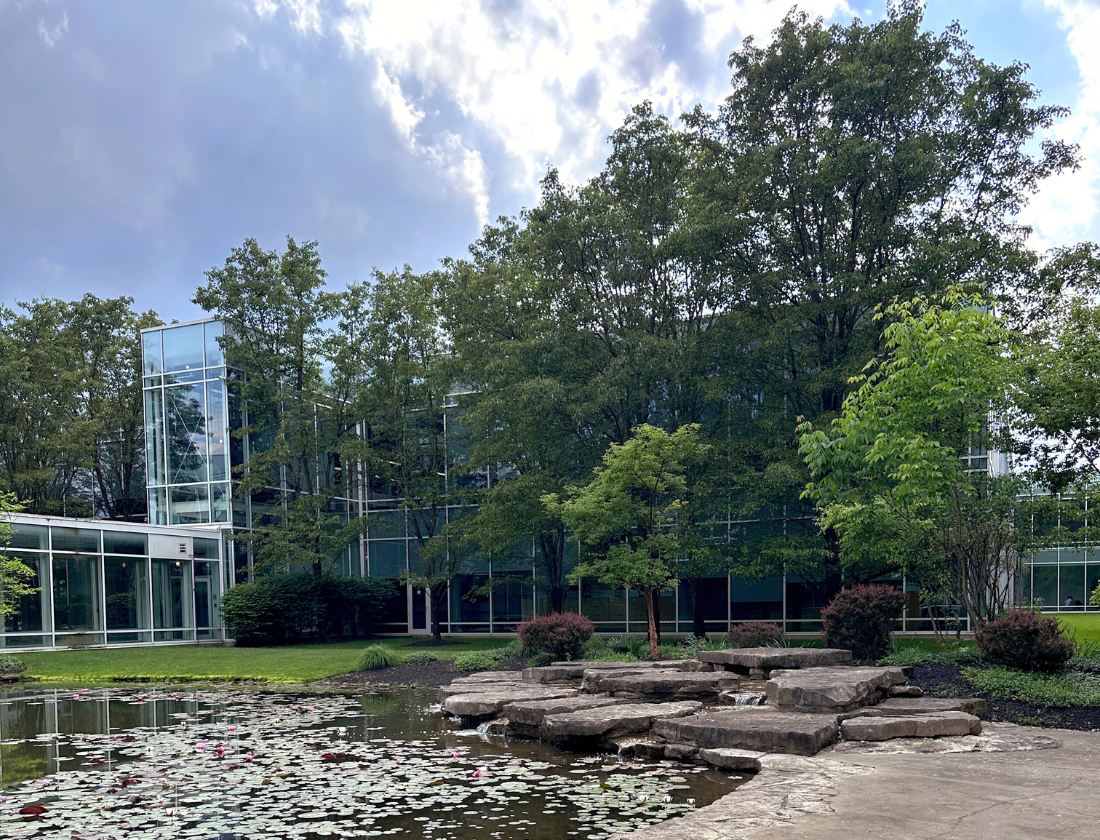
(1085, 626)
(291, 664)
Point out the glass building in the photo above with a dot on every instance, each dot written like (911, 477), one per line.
(113, 583)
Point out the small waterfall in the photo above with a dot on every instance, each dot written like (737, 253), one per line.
(483, 730)
(749, 698)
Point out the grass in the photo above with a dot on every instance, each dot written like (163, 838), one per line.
(185, 663)
(1085, 627)
(1065, 689)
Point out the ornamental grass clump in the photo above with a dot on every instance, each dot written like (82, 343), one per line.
(562, 635)
(1025, 640)
(421, 657)
(754, 634)
(860, 620)
(376, 657)
(479, 660)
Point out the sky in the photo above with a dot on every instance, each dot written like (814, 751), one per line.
(140, 142)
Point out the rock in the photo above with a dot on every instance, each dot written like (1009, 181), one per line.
(729, 759)
(475, 707)
(753, 728)
(883, 727)
(656, 684)
(766, 659)
(572, 671)
(906, 691)
(831, 689)
(640, 747)
(526, 716)
(498, 726)
(922, 706)
(479, 687)
(680, 752)
(590, 727)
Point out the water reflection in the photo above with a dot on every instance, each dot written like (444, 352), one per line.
(236, 764)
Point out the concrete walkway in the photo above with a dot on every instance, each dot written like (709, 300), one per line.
(838, 795)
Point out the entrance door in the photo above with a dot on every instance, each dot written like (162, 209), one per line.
(205, 609)
(418, 611)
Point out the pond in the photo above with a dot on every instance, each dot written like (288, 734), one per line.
(229, 764)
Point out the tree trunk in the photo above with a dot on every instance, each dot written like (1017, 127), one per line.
(436, 597)
(698, 625)
(655, 608)
(557, 597)
(653, 652)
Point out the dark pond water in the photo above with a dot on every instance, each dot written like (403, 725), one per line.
(226, 764)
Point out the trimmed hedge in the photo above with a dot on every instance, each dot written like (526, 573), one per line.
(562, 635)
(284, 607)
(1025, 640)
(860, 619)
(755, 634)
(10, 666)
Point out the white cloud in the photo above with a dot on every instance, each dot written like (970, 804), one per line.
(51, 35)
(547, 81)
(305, 15)
(1067, 208)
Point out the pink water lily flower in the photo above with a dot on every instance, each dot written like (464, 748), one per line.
(456, 755)
(200, 747)
(248, 757)
(76, 696)
(479, 772)
(232, 728)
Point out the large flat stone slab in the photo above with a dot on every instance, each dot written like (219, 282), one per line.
(489, 704)
(753, 728)
(765, 659)
(937, 725)
(593, 726)
(731, 759)
(656, 684)
(531, 712)
(572, 671)
(922, 706)
(838, 689)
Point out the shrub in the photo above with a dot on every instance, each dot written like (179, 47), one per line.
(1026, 640)
(540, 660)
(696, 644)
(9, 665)
(860, 620)
(376, 657)
(283, 607)
(754, 634)
(676, 651)
(636, 646)
(421, 657)
(478, 660)
(561, 634)
(1033, 688)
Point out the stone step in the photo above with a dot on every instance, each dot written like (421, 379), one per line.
(753, 728)
(574, 671)
(837, 689)
(597, 727)
(655, 684)
(478, 706)
(761, 661)
(730, 759)
(459, 686)
(921, 706)
(525, 716)
(884, 727)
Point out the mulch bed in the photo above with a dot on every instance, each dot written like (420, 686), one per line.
(432, 675)
(947, 681)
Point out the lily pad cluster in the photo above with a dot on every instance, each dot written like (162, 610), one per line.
(240, 764)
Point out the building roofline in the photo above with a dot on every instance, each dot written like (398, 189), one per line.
(114, 525)
(180, 324)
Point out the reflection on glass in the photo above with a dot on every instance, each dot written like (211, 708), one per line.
(30, 611)
(187, 444)
(154, 436)
(75, 539)
(76, 593)
(387, 558)
(170, 579)
(220, 502)
(150, 353)
(158, 506)
(216, 429)
(214, 355)
(124, 542)
(29, 536)
(190, 504)
(183, 348)
(127, 594)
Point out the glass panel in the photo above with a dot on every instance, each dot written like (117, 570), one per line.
(1092, 580)
(602, 604)
(183, 348)
(171, 578)
(1071, 592)
(154, 436)
(28, 536)
(804, 601)
(129, 638)
(158, 506)
(666, 612)
(150, 353)
(387, 558)
(207, 549)
(236, 441)
(76, 594)
(512, 603)
(187, 444)
(1045, 583)
(120, 542)
(76, 539)
(757, 601)
(215, 427)
(190, 505)
(127, 587)
(30, 611)
(387, 524)
(214, 355)
(466, 608)
(220, 502)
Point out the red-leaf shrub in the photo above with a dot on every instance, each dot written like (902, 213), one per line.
(1026, 640)
(561, 635)
(755, 634)
(860, 620)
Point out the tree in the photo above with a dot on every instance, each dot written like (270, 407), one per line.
(398, 382)
(626, 513)
(274, 309)
(893, 475)
(15, 575)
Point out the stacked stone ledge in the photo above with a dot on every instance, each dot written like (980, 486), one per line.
(696, 710)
